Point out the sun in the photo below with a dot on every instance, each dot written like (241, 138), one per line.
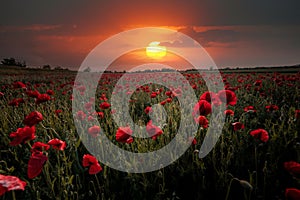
(155, 51)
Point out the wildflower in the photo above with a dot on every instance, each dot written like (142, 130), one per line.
(203, 107)
(237, 126)
(153, 130)
(148, 109)
(211, 97)
(229, 112)
(18, 84)
(94, 130)
(91, 162)
(81, 115)
(292, 194)
(123, 135)
(293, 168)
(271, 108)
(228, 97)
(249, 109)
(39, 147)
(35, 164)
(33, 118)
(153, 95)
(202, 121)
(57, 144)
(50, 92)
(8, 183)
(104, 105)
(22, 135)
(260, 134)
(42, 98)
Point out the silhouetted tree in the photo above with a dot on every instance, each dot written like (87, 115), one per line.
(48, 67)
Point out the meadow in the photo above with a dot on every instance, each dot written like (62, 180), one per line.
(256, 157)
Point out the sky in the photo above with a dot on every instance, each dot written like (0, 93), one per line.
(235, 33)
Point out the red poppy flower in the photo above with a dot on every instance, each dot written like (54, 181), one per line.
(169, 100)
(297, 114)
(58, 111)
(81, 89)
(18, 84)
(203, 107)
(258, 83)
(22, 135)
(88, 106)
(42, 98)
(1, 94)
(81, 115)
(91, 118)
(57, 144)
(192, 140)
(33, 93)
(94, 130)
(39, 147)
(91, 162)
(271, 108)
(35, 164)
(292, 194)
(229, 112)
(202, 121)
(103, 97)
(148, 109)
(33, 118)
(163, 102)
(260, 134)
(211, 97)
(16, 102)
(228, 97)
(153, 94)
(123, 135)
(104, 105)
(293, 168)
(100, 114)
(177, 92)
(50, 92)
(153, 130)
(8, 183)
(249, 109)
(168, 93)
(237, 126)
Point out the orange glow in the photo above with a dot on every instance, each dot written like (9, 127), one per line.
(155, 51)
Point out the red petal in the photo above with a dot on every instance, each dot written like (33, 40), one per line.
(35, 164)
(95, 168)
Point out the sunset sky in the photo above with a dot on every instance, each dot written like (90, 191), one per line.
(234, 32)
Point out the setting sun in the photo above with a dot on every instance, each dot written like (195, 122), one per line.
(155, 51)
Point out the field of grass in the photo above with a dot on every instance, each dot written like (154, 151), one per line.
(256, 156)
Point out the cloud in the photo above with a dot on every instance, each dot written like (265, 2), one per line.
(33, 28)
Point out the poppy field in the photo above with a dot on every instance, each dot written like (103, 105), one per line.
(256, 157)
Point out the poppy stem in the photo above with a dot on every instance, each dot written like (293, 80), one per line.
(256, 168)
(13, 195)
(98, 183)
(229, 188)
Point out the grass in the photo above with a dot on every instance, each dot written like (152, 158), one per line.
(237, 162)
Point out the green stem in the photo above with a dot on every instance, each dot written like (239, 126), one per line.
(256, 168)
(13, 195)
(228, 190)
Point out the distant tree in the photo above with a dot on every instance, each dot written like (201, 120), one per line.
(48, 67)
(88, 69)
(9, 61)
(58, 68)
(13, 62)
